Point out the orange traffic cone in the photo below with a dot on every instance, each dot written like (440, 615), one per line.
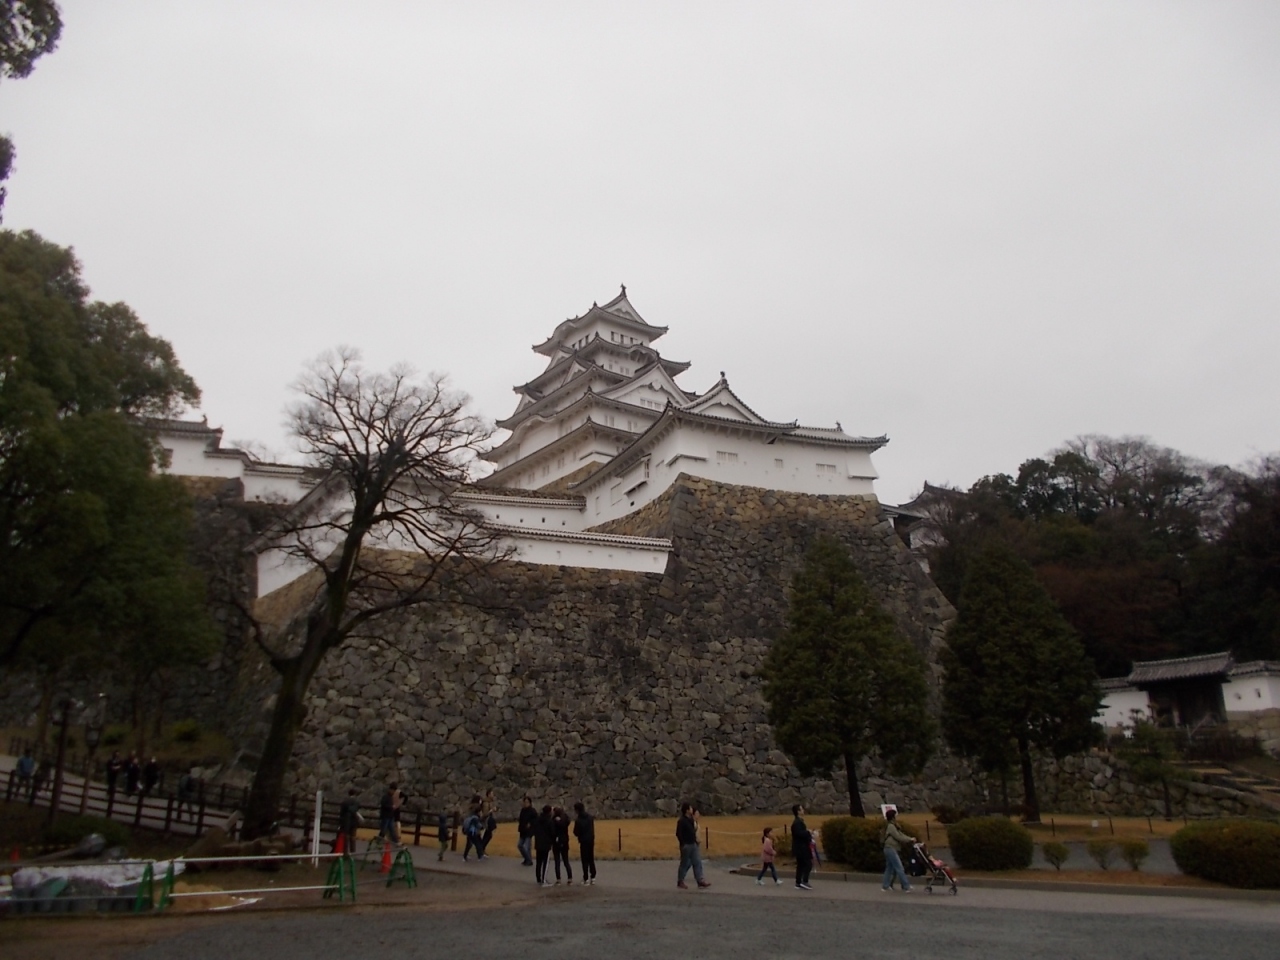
(340, 845)
(386, 859)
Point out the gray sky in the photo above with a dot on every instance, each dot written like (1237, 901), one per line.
(979, 228)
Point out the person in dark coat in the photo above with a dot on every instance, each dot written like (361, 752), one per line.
(524, 827)
(800, 840)
(349, 821)
(584, 828)
(560, 847)
(150, 776)
(544, 835)
(132, 773)
(442, 834)
(690, 854)
(114, 766)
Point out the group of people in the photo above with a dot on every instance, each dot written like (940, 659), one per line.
(137, 775)
(545, 834)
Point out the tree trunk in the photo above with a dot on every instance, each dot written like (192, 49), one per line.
(139, 724)
(855, 796)
(47, 686)
(286, 721)
(1168, 802)
(1004, 790)
(1030, 803)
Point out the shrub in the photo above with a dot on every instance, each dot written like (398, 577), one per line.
(186, 731)
(1134, 851)
(114, 735)
(947, 814)
(782, 843)
(991, 843)
(1239, 853)
(70, 830)
(1103, 851)
(854, 841)
(1056, 853)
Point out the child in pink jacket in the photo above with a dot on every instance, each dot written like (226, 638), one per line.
(766, 858)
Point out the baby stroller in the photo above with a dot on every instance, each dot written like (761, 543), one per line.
(921, 863)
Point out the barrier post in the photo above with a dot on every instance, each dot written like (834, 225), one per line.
(146, 896)
(166, 888)
(137, 816)
(619, 839)
(402, 869)
(315, 830)
(417, 829)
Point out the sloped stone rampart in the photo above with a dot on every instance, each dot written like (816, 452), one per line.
(631, 691)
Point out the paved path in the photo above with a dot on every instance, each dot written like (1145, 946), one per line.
(636, 912)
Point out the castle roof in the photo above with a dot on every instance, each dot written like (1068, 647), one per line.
(618, 310)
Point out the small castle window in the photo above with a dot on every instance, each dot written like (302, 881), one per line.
(826, 468)
(777, 464)
(726, 456)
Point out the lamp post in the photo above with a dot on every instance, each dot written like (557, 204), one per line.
(56, 798)
(95, 721)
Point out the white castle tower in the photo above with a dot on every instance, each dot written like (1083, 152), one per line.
(606, 421)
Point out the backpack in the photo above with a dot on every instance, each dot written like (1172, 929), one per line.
(471, 825)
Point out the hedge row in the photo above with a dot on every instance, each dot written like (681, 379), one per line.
(1240, 853)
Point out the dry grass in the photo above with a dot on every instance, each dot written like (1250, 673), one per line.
(654, 839)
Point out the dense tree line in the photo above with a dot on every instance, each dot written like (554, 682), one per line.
(95, 574)
(1147, 552)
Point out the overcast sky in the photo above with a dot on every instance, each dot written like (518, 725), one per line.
(979, 228)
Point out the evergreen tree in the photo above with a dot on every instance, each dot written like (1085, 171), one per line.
(1016, 676)
(841, 682)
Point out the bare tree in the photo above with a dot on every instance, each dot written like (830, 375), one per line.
(384, 531)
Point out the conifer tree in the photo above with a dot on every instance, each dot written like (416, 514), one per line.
(1016, 676)
(841, 682)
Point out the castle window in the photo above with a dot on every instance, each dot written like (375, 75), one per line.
(777, 464)
(597, 506)
(826, 468)
(726, 456)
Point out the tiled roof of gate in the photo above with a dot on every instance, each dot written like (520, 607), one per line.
(1182, 668)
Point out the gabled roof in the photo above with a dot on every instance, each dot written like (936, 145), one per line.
(1181, 668)
(721, 395)
(537, 456)
(589, 398)
(619, 310)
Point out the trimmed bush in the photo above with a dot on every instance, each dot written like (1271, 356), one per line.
(1103, 851)
(991, 843)
(948, 815)
(854, 841)
(186, 731)
(68, 830)
(1056, 853)
(1134, 851)
(1239, 853)
(782, 843)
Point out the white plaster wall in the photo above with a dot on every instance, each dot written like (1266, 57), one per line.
(546, 516)
(187, 458)
(1118, 706)
(274, 487)
(594, 556)
(695, 451)
(1251, 694)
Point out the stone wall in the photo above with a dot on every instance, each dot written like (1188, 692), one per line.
(631, 691)
(1263, 726)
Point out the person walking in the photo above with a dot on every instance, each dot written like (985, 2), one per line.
(26, 772)
(800, 846)
(132, 772)
(767, 855)
(489, 820)
(584, 828)
(544, 835)
(186, 795)
(442, 834)
(473, 831)
(114, 766)
(560, 845)
(389, 814)
(894, 839)
(349, 821)
(690, 854)
(524, 828)
(150, 776)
